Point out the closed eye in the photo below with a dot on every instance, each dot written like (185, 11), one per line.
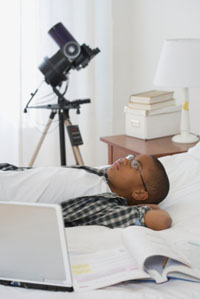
(140, 165)
(135, 164)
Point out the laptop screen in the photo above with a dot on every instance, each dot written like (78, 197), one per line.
(33, 246)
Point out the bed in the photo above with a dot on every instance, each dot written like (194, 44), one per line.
(183, 204)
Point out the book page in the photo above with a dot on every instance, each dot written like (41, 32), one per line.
(104, 268)
(145, 243)
(174, 269)
(154, 267)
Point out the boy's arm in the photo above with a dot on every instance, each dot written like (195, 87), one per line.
(157, 219)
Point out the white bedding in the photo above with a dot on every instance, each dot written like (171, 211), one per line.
(183, 204)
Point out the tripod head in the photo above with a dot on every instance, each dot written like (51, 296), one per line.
(62, 104)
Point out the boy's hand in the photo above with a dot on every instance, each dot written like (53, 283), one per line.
(157, 219)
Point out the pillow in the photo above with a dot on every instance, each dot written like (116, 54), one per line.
(184, 176)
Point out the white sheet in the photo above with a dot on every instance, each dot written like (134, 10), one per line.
(183, 203)
(49, 184)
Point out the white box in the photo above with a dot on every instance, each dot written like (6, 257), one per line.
(159, 124)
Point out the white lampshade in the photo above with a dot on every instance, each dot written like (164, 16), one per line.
(179, 66)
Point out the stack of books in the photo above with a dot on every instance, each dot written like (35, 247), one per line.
(152, 114)
(152, 102)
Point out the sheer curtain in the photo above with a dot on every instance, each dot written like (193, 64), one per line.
(90, 22)
(10, 75)
(24, 44)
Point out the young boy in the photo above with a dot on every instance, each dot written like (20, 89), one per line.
(126, 193)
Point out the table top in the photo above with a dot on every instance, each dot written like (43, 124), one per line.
(162, 146)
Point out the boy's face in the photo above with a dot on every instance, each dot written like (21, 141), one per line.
(124, 179)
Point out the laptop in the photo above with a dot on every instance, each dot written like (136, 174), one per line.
(33, 247)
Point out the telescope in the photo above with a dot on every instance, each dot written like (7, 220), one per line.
(70, 56)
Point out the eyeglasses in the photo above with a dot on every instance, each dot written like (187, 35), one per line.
(135, 164)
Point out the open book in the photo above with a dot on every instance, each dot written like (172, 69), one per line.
(140, 257)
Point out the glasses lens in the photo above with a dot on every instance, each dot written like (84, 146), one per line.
(130, 157)
(135, 164)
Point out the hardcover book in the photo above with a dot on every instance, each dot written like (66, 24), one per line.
(163, 110)
(153, 106)
(152, 96)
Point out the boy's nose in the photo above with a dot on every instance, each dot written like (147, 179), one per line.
(124, 161)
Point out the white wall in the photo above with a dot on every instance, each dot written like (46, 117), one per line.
(140, 26)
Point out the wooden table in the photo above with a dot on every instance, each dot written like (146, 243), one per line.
(122, 145)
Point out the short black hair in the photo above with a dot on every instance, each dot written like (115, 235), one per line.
(158, 183)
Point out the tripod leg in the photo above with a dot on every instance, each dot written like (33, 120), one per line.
(51, 117)
(62, 139)
(75, 148)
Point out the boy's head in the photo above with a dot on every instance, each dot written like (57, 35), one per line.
(140, 179)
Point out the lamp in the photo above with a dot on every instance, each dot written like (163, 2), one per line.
(179, 66)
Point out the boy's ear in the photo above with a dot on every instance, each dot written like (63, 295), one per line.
(140, 195)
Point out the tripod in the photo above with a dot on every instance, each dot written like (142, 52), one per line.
(62, 108)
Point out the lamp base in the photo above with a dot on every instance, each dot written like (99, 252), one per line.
(185, 138)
